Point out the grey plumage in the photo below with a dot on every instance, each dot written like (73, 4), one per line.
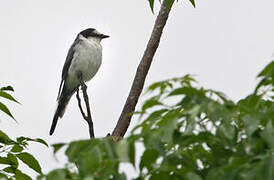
(79, 60)
(64, 95)
(62, 104)
(67, 63)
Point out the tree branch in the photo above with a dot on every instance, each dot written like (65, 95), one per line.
(88, 116)
(140, 76)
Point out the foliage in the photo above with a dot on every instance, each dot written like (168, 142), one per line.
(187, 132)
(4, 93)
(13, 150)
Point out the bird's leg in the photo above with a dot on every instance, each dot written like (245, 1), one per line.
(85, 95)
(83, 86)
(79, 104)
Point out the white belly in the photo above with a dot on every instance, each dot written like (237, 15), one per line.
(86, 61)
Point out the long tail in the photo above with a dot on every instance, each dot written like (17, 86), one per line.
(62, 104)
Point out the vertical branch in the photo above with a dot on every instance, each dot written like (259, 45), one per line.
(140, 76)
(88, 116)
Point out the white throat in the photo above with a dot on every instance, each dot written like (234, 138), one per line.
(96, 39)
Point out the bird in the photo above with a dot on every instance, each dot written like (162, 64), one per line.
(82, 63)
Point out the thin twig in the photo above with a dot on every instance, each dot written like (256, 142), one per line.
(142, 70)
(88, 116)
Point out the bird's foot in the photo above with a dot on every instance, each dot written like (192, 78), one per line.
(84, 86)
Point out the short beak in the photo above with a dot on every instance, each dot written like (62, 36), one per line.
(104, 36)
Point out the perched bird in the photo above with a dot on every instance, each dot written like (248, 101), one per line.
(82, 63)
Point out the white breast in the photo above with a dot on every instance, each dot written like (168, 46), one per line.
(86, 60)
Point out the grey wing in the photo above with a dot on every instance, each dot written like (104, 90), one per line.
(67, 64)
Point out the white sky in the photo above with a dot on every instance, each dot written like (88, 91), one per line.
(224, 43)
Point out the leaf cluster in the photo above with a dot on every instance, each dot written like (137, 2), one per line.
(11, 151)
(188, 132)
(5, 93)
(93, 159)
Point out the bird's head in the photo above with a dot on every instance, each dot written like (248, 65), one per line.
(92, 33)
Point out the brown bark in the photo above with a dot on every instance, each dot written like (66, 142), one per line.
(140, 76)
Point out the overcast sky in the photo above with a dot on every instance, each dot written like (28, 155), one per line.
(224, 43)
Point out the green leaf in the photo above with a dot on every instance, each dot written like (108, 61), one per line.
(154, 116)
(58, 174)
(122, 150)
(193, 3)
(268, 168)
(151, 4)
(30, 161)
(21, 176)
(77, 147)
(22, 140)
(40, 141)
(192, 176)
(168, 124)
(17, 148)
(4, 108)
(90, 161)
(7, 88)
(10, 169)
(268, 134)
(132, 153)
(148, 158)
(190, 126)
(107, 145)
(150, 103)
(8, 96)
(169, 3)
(161, 176)
(267, 76)
(161, 85)
(5, 160)
(3, 176)
(57, 147)
(13, 160)
(122, 176)
(154, 86)
(251, 122)
(268, 70)
(4, 138)
(222, 96)
(190, 91)
(227, 131)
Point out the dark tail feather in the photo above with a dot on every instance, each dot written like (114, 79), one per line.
(54, 123)
(62, 104)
